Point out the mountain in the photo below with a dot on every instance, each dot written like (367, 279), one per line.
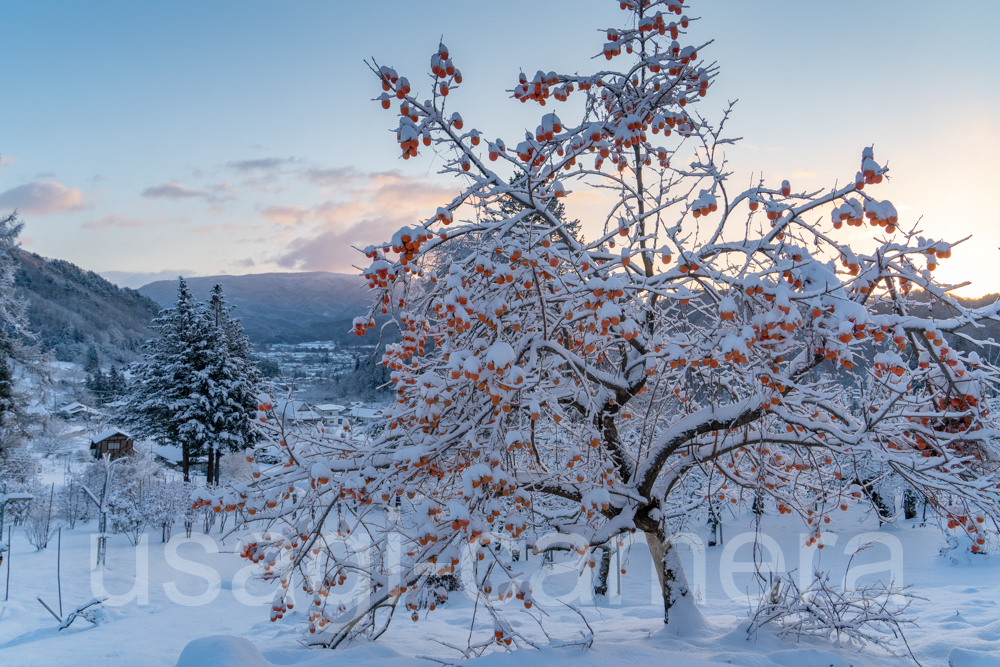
(283, 307)
(73, 310)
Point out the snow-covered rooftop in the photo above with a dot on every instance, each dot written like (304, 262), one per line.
(74, 408)
(365, 413)
(104, 435)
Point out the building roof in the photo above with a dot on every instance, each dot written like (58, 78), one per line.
(168, 452)
(365, 413)
(331, 407)
(295, 409)
(74, 408)
(174, 454)
(104, 435)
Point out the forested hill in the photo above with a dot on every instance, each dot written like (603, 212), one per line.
(73, 310)
(283, 307)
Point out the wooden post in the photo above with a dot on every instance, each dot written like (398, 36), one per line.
(59, 568)
(10, 531)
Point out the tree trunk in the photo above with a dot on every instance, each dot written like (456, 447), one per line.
(678, 599)
(210, 470)
(882, 509)
(218, 458)
(909, 504)
(186, 462)
(713, 524)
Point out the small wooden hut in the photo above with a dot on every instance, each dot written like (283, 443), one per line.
(113, 442)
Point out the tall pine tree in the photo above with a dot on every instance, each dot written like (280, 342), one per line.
(234, 379)
(166, 400)
(15, 339)
(195, 386)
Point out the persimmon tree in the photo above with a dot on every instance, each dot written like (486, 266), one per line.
(699, 349)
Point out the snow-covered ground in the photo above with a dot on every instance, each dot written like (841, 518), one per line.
(200, 593)
(184, 602)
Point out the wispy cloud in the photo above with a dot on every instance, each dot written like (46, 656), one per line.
(8, 161)
(260, 164)
(42, 198)
(286, 215)
(333, 176)
(114, 221)
(175, 191)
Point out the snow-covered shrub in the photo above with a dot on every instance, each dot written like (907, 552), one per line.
(72, 503)
(234, 468)
(50, 445)
(144, 494)
(131, 508)
(18, 474)
(873, 614)
(171, 503)
(17, 467)
(40, 524)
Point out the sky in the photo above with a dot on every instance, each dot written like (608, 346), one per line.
(148, 140)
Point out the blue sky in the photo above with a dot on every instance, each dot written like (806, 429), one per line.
(149, 139)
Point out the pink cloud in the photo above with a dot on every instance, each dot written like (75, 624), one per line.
(113, 221)
(42, 198)
(334, 249)
(285, 215)
(379, 204)
(8, 160)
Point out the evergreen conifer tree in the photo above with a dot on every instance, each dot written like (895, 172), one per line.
(168, 400)
(107, 387)
(233, 382)
(92, 361)
(13, 334)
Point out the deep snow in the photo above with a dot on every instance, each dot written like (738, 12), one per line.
(961, 610)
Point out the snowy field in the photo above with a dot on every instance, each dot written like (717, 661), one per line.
(193, 593)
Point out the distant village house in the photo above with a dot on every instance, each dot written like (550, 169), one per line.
(74, 410)
(113, 442)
